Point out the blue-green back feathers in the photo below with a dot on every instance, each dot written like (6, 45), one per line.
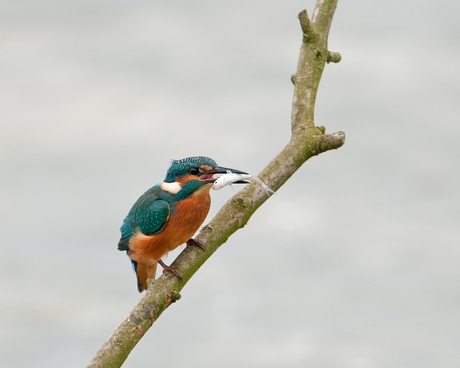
(149, 214)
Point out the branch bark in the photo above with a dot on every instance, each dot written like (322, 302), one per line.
(307, 140)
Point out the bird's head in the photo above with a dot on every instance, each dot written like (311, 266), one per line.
(187, 176)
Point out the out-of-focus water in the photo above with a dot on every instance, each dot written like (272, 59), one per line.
(354, 263)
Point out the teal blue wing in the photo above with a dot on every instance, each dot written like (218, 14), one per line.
(149, 215)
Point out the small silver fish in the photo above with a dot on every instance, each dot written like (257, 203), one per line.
(230, 178)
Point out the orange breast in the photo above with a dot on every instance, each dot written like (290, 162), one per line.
(186, 219)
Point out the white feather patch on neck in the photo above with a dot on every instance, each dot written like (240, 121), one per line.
(173, 187)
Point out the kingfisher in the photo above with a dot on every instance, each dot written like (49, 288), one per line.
(168, 215)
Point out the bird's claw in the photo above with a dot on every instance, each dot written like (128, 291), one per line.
(171, 269)
(195, 243)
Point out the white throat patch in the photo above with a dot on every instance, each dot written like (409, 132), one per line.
(173, 187)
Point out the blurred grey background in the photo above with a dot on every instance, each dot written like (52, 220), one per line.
(355, 263)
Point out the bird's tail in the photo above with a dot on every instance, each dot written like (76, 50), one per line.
(143, 273)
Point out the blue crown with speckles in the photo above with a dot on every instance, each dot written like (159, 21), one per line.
(180, 168)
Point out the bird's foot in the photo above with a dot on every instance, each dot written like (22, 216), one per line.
(170, 269)
(195, 243)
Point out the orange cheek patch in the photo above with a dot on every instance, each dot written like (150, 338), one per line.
(185, 179)
(206, 168)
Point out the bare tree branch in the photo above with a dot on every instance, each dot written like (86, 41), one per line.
(307, 140)
(307, 29)
(333, 57)
(322, 16)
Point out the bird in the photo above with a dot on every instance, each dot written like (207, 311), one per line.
(168, 215)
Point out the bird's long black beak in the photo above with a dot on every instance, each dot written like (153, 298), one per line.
(210, 177)
(225, 170)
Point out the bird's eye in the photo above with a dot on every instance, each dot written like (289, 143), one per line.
(194, 171)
